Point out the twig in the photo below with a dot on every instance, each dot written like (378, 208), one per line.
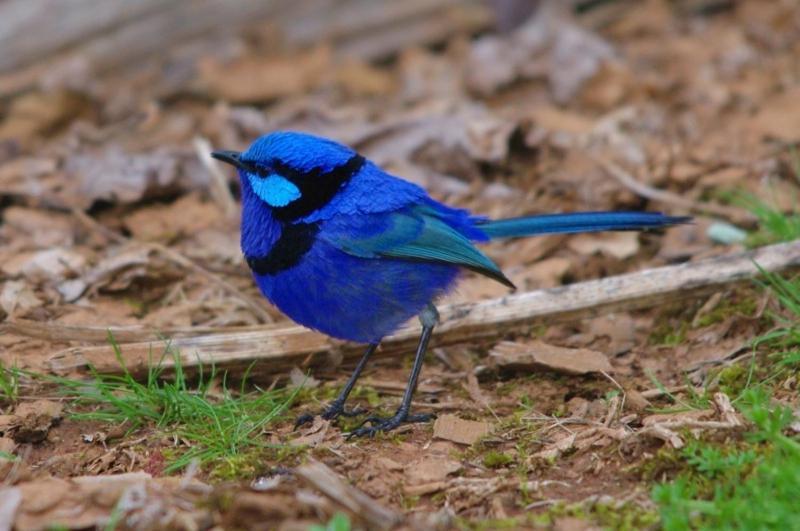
(283, 347)
(322, 478)
(631, 183)
(218, 184)
(655, 393)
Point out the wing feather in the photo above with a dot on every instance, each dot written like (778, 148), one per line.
(415, 233)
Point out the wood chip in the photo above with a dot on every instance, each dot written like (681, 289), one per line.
(452, 428)
(35, 419)
(431, 468)
(537, 355)
(322, 478)
(425, 488)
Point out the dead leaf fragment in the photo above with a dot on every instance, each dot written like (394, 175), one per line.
(118, 176)
(779, 117)
(35, 419)
(617, 244)
(431, 469)
(10, 500)
(17, 296)
(7, 445)
(537, 355)
(554, 450)
(551, 45)
(452, 428)
(47, 265)
(36, 113)
(257, 79)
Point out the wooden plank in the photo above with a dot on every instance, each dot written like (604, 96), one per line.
(279, 348)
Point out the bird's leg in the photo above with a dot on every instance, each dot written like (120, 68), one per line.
(429, 317)
(336, 408)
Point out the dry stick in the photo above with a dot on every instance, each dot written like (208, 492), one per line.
(322, 478)
(281, 348)
(177, 258)
(218, 184)
(123, 334)
(628, 181)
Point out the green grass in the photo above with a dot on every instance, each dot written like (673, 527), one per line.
(9, 384)
(338, 522)
(217, 423)
(751, 483)
(773, 225)
(754, 487)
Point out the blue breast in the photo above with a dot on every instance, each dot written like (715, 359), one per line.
(353, 298)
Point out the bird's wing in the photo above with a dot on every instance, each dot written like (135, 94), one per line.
(415, 233)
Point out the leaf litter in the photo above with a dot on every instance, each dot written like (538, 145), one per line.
(696, 104)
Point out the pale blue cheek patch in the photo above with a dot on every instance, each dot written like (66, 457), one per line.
(274, 190)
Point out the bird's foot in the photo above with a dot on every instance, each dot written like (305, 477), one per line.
(334, 410)
(384, 424)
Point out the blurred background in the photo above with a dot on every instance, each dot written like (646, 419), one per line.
(108, 110)
(113, 216)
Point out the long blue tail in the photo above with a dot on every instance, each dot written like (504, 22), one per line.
(577, 222)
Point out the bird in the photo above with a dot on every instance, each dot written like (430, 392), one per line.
(343, 247)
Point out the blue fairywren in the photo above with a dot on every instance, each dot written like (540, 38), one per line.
(343, 247)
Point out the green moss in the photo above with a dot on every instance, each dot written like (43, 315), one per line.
(607, 514)
(408, 502)
(735, 305)
(493, 459)
(667, 334)
(253, 463)
(489, 523)
(734, 379)
(369, 394)
(666, 462)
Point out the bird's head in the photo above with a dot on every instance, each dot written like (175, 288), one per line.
(294, 173)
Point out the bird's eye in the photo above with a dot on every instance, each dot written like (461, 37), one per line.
(261, 170)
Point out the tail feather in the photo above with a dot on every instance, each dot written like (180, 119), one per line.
(577, 222)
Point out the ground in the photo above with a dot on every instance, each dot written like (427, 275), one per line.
(119, 233)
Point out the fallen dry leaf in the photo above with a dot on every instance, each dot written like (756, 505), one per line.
(118, 176)
(452, 428)
(550, 45)
(188, 215)
(116, 272)
(17, 297)
(256, 79)
(536, 355)
(34, 420)
(314, 434)
(552, 451)
(38, 113)
(10, 500)
(7, 445)
(779, 117)
(431, 469)
(47, 265)
(617, 244)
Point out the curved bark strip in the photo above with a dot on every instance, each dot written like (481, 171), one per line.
(277, 348)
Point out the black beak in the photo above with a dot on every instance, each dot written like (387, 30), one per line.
(231, 157)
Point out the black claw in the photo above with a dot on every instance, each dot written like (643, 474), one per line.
(381, 424)
(353, 412)
(333, 411)
(305, 418)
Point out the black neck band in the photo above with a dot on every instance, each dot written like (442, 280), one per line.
(316, 187)
(295, 241)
